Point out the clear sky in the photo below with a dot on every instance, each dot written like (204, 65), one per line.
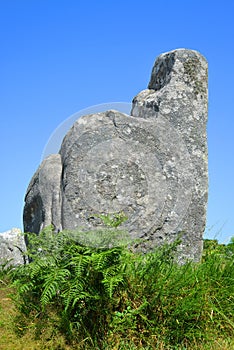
(61, 56)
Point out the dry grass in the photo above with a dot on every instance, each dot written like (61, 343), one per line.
(16, 335)
(19, 336)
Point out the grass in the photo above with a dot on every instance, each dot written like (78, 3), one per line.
(77, 297)
(18, 333)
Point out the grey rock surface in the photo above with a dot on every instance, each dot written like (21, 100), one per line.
(12, 247)
(43, 197)
(151, 165)
(178, 94)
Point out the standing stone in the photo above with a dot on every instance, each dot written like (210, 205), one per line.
(43, 197)
(12, 247)
(151, 165)
(177, 94)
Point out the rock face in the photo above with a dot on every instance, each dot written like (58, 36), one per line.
(177, 94)
(12, 246)
(43, 198)
(151, 165)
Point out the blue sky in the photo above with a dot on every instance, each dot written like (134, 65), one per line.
(59, 57)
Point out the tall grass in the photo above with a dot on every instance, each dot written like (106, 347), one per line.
(113, 298)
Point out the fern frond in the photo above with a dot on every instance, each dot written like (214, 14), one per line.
(76, 291)
(112, 283)
(79, 264)
(112, 271)
(41, 265)
(26, 287)
(106, 258)
(52, 284)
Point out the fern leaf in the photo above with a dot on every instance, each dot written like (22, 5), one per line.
(52, 284)
(79, 263)
(111, 284)
(73, 292)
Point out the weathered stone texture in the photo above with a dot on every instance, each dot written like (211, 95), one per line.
(151, 165)
(43, 197)
(12, 247)
(177, 93)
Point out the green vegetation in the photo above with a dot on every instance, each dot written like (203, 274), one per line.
(73, 296)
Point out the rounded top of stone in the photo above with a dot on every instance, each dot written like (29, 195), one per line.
(182, 52)
(180, 65)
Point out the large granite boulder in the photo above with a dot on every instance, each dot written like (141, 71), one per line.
(151, 165)
(12, 247)
(178, 95)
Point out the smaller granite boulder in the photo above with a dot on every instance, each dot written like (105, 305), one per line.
(43, 199)
(12, 247)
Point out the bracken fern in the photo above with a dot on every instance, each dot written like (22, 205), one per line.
(105, 297)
